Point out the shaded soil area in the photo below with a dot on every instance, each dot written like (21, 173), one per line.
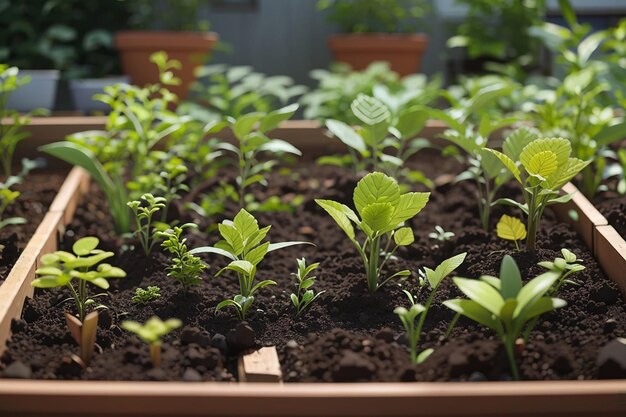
(613, 207)
(348, 334)
(37, 192)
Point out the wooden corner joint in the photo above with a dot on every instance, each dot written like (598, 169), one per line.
(260, 366)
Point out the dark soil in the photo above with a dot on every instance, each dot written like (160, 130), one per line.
(38, 191)
(348, 334)
(614, 209)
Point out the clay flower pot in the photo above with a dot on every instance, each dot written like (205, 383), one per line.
(403, 52)
(190, 48)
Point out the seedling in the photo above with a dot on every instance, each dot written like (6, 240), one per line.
(143, 220)
(242, 245)
(415, 310)
(304, 294)
(511, 228)
(251, 130)
(151, 333)
(186, 267)
(566, 265)
(440, 234)
(8, 197)
(382, 210)
(60, 268)
(542, 167)
(505, 305)
(146, 296)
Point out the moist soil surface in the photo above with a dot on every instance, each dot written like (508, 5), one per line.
(37, 192)
(348, 334)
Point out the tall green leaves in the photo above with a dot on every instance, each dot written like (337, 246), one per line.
(382, 210)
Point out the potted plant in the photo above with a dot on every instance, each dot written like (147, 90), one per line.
(378, 30)
(180, 34)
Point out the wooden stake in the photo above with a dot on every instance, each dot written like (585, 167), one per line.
(260, 366)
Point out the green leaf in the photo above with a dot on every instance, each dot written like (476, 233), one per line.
(611, 134)
(408, 206)
(376, 187)
(275, 118)
(370, 110)
(257, 254)
(241, 267)
(424, 354)
(377, 216)
(559, 146)
(576, 82)
(507, 162)
(535, 289)
(335, 210)
(565, 173)
(232, 236)
(246, 224)
(245, 124)
(517, 141)
(589, 45)
(346, 134)
(411, 121)
(481, 292)
(543, 305)
(210, 249)
(510, 278)
(404, 236)
(510, 228)
(542, 164)
(281, 245)
(444, 269)
(474, 311)
(277, 145)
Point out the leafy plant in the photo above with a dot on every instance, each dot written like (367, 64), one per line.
(382, 210)
(235, 91)
(60, 269)
(542, 167)
(241, 243)
(139, 120)
(250, 131)
(504, 304)
(177, 15)
(142, 296)
(8, 197)
(566, 265)
(440, 234)
(409, 316)
(511, 228)
(304, 294)
(471, 122)
(151, 333)
(186, 267)
(143, 219)
(367, 16)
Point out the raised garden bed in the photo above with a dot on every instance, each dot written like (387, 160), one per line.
(452, 207)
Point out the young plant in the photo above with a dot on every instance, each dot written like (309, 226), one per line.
(382, 210)
(145, 296)
(186, 267)
(61, 269)
(415, 310)
(8, 197)
(542, 167)
(440, 234)
(504, 304)
(565, 266)
(241, 244)
(151, 333)
(143, 220)
(250, 132)
(304, 294)
(511, 228)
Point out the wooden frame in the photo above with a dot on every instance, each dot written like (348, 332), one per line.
(108, 398)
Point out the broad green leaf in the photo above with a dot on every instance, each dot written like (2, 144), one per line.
(404, 236)
(559, 146)
(412, 121)
(510, 278)
(257, 254)
(376, 187)
(408, 206)
(232, 236)
(589, 45)
(507, 162)
(482, 293)
(377, 216)
(565, 173)
(543, 305)
(542, 164)
(491, 165)
(245, 124)
(370, 110)
(491, 280)
(575, 83)
(346, 134)
(611, 134)
(510, 228)
(517, 141)
(277, 145)
(335, 210)
(444, 269)
(535, 289)
(210, 249)
(474, 311)
(242, 267)
(85, 245)
(275, 118)
(246, 224)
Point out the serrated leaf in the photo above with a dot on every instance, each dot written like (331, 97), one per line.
(404, 236)
(510, 228)
(370, 110)
(517, 141)
(559, 146)
(408, 206)
(542, 164)
(377, 216)
(376, 187)
(565, 173)
(246, 224)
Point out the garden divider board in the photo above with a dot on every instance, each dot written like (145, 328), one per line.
(29, 398)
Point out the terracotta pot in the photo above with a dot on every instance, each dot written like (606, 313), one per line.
(190, 48)
(403, 52)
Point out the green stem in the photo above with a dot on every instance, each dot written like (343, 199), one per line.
(510, 352)
(372, 273)
(420, 324)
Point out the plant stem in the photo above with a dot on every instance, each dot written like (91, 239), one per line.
(510, 352)
(372, 273)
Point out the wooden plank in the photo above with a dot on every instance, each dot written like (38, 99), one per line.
(260, 366)
(610, 252)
